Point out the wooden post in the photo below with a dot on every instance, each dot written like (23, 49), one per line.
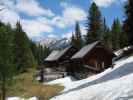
(41, 75)
(3, 88)
(103, 65)
(96, 64)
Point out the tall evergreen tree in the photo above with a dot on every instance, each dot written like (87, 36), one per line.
(128, 23)
(104, 29)
(39, 52)
(107, 38)
(72, 39)
(23, 54)
(116, 33)
(106, 35)
(94, 22)
(76, 38)
(123, 39)
(7, 68)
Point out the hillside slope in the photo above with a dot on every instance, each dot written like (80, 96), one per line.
(112, 84)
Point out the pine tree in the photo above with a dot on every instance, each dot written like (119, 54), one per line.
(34, 50)
(7, 68)
(94, 22)
(107, 38)
(76, 38)
(104, 29)
(116, 33)
(128, 23)
(106, 35)
(39, 52)
(123, 40)
(23, 54)
(72, 39)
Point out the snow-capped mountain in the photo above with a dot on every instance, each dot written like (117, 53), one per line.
(60, 44)
(47, 41)
(54, 43)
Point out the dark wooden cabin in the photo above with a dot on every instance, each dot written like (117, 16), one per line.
(95, 57)
(56, 64)
(60, 57)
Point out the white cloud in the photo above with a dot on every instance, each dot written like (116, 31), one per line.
(41, 24)
(9, 16)
(33, 8)
(106, 3)
(67, 35)
(7, 3)
(52, 36)
(35, 28)
(83, 30)
(69, 16)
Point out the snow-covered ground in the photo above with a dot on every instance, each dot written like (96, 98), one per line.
(112, 84)
(17, 98)
(63, 81)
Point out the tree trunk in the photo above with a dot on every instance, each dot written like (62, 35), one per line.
(3, 89)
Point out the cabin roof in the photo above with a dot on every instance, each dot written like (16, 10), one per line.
(52, 55)
(57, 54)
(82, 52)
(62, 52)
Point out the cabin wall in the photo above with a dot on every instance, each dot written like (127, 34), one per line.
(65, 62)
(99, 58)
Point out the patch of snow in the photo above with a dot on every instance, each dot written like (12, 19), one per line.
(112, 84)
(63, 81)
(13, 98)
(18, 98)
(121, 51)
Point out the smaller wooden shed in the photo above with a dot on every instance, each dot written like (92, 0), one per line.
(60, 57)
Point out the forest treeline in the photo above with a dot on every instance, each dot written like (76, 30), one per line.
(17, 54)
(119, 35)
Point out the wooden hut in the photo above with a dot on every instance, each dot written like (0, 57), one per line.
(61, 57)
(95, 57)
(56, 64)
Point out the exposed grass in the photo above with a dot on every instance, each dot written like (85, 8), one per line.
(25, 86)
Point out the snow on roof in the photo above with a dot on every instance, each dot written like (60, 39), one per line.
(52, 56)
(56, 54)
(62, 52)
(112, 84)
(85, 50)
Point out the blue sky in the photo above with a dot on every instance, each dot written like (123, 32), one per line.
(56, 18)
